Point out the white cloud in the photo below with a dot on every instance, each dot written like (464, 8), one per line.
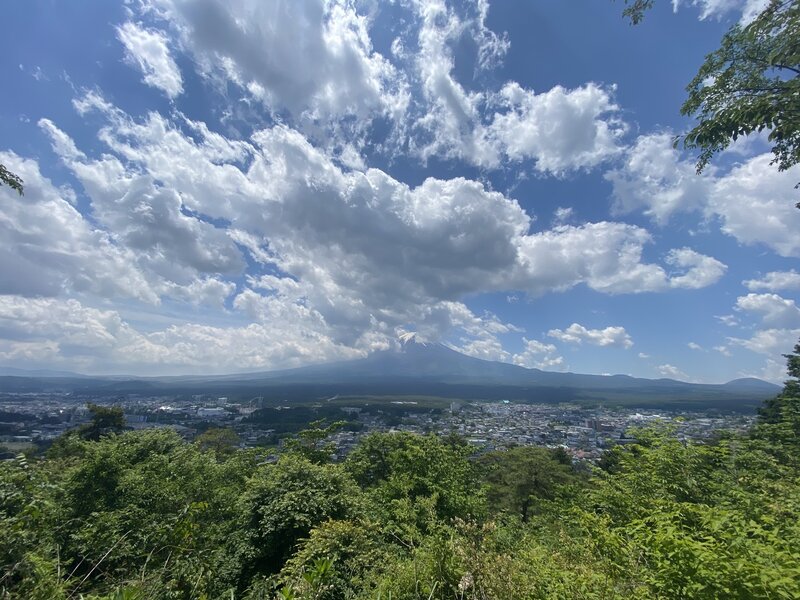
(727, 320)
(655, 179)
(724, 350)
(775, 281)
(561, 130)
(774, 310)
(757, 189)
(562, 214)
(673, 372)
(48, 248)
(698, 270)
(779, 321)
(69, 333)
(772, 342)
(608, 258)
(719, 8)
(148, 50)
(577, 334)
(538, 355)
(486, 349)
(643, 355)
(150, 220)
(774, 370)
(694, 346)
(355, 256)
(313, 59)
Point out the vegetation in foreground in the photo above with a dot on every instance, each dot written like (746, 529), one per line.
(148, 515)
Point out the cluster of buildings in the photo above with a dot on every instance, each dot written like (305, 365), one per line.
(37, 419)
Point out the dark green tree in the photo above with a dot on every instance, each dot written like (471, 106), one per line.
(517, 478)
(311, 443)
(222, 441)
(416, 481)
(779, 417)
(104, 421)
(284, 502)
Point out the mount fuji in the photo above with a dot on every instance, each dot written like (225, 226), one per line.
(419, 368)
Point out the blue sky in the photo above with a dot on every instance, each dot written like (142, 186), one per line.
(226, 186)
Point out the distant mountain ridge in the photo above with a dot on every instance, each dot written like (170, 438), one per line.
(417, 367)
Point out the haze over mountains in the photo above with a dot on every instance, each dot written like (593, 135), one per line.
(416, 368)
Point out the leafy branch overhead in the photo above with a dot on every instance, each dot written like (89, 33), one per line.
(10, 179)
(748, 85)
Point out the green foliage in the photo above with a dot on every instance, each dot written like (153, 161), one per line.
(222, 441)
(750, 85)
(635, 10)
(105, 420)
(414, 482)
(310, 443)
(356, 549)
(140, 515)
(284, 502)
(520, 476)
(10, 179)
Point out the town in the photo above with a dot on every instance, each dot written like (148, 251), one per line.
(35, 420)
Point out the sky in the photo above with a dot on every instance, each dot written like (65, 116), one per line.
(218, 186)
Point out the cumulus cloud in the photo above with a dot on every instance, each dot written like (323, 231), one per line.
(148, 50)
(774, 310)
(577, 334)
(560, 130)
(655, 179)
(356, 256)
(671, 371)
(48, 248)
(607, 257)
(539, 355)
(313, 59)
(171, 247)
(95, 340)
(772, 342)
(779, 328)
(775, 281)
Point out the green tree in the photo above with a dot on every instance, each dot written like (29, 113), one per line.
(284, 502)
(416, 482)
(149, 506)
(223, 441)
(10, 179)
(779, 418)
(104, 421)
(748, 85)
(518, 477)
(311, 443)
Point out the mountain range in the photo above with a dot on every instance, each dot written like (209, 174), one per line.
(415, 368)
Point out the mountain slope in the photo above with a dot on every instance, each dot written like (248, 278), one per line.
(419, 368)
